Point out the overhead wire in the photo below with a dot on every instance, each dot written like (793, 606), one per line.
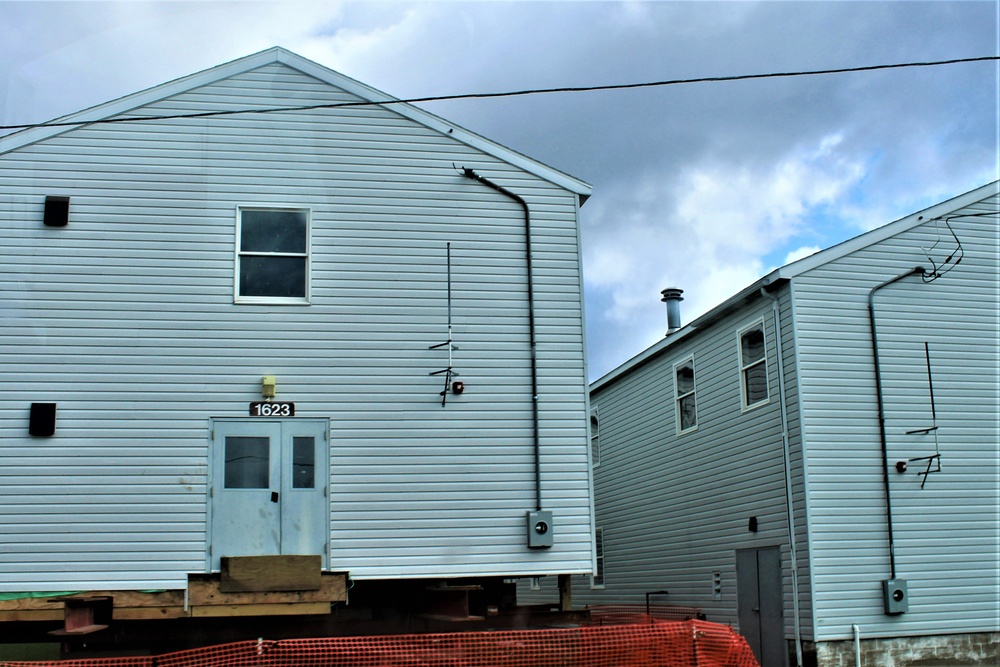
(513, 93)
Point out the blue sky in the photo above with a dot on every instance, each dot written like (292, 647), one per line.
(700, 186)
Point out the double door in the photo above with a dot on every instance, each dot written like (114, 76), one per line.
(269, 488)
(759, 604)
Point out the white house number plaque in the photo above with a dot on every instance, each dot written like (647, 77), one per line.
(271, 409)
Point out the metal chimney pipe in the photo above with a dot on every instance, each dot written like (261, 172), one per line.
(672, 297)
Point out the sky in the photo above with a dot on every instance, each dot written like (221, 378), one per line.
(702, 186)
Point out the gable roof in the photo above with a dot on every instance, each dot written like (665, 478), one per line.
(793, 269)
(280, 55)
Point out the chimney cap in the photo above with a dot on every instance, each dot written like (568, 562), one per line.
(672, 294)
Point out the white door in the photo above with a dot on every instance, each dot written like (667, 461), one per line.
(268, 494)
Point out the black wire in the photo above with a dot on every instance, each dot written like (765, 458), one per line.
(516, 93)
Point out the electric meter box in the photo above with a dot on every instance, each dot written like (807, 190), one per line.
(895, 597)
(539, 529)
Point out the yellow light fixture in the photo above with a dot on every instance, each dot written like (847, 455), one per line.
(267, 384)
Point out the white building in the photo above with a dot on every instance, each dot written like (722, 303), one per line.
(815, 461)
(159, 276)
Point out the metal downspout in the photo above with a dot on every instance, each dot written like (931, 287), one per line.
(881, 410)
(786, 454)
(469, 173)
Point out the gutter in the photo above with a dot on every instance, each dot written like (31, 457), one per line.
(469, 173)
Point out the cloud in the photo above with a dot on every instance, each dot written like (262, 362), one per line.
(700, 186)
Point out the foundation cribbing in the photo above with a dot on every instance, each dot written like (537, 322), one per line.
(650, 643)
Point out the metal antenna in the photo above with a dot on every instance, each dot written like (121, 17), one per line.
(933, 461)
(449, 372)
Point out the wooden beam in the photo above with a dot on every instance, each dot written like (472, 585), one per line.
(206, 591)
(565, 592)
(147, 613)
(270, 573)
(291, 609)
(31, 615)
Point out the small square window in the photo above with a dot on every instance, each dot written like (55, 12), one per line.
(272, 255)
(685, 403)
(753, 366)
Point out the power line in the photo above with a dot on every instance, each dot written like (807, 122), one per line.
(515, 93)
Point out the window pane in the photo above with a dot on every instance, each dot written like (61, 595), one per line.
(273, 231)
(755, 379)
(752, 343)
(687, 412)
(247, 462)
(303, 462)
(273, 276)
(685, 379)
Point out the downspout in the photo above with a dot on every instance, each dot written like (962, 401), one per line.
(469, 173)
(857, 645)
(919, 270)
(786, 454)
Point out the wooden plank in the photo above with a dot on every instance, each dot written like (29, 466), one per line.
(31, 615)
(282, 609)
(147, 613)
(54, 603)
(202, 592)
(270, 573)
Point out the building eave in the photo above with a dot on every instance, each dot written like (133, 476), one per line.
(278, 54)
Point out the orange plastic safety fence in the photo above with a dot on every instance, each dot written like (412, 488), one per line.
(652, 644)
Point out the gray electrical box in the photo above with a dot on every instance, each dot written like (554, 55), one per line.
(894, 596)
(539, 529)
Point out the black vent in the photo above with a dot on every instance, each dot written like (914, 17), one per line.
(56, 211)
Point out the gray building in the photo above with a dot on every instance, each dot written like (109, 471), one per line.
(815, 461)
(318, 330)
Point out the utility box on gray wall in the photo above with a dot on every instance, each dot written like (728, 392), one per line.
(895, 596)
(539, 529)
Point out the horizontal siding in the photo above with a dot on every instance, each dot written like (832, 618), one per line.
(674, 509)
(125, 319)
(946, 534)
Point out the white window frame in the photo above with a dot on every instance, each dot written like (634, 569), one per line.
(744, 367)
(597, 579)
(307, 255)
(595, 439)
(678, 397)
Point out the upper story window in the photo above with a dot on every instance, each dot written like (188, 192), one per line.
(685, 406)
(595, 439)
(753, 366)
(272, 255)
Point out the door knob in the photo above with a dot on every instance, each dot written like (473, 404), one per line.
(274, 496)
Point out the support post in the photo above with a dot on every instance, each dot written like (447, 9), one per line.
(565, 592)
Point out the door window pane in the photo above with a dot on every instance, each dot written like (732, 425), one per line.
(303, 462)
(247, 462)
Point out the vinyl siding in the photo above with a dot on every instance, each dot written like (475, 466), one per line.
(946, 535)
(674, 508)
(126, 319)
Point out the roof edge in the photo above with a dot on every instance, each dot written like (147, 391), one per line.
(277, 54)
(886, 231)
(784, 274)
